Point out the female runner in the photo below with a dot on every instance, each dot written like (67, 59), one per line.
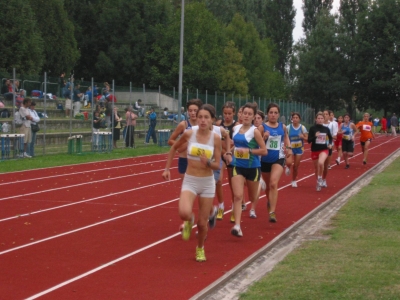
(320, 139)
(332, 125)
(347, 128)
(297, 135)
(204, 154)
(248, 146)
(339, 138)
(276, 137)
(228, 111)
(365, 128)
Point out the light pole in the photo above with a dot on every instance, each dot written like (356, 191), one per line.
(181, 61)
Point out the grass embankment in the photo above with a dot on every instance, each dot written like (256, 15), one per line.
(68, 159)
(360, 260)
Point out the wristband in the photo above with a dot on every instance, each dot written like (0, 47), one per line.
(251, 152)
(287, 147)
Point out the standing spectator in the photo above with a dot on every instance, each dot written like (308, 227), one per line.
(376, 123)
(130, 125)
(139, 108)
(35, 120)
(76, 99)
(383, 125)
(62, 83)
(152, 127)
(68, 102)
(26, 124)
(394, 123)
(96, 126)
(89, 97)
(117, 127)
(108, 111)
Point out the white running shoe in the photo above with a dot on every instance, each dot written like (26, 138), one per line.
(263, 185)
(287, 171)
(324, 183)
(319, 184)
(337, 161)
(236, 231)
(253, 214)
(27, 155)
(294, 184)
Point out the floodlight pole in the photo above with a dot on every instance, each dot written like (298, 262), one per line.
(181, 62)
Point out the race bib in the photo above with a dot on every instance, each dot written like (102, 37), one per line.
(196, 149)
(346, 137)
(296, 144)
(367, 127)
(321, 139)
(241, 155)
(274, 142)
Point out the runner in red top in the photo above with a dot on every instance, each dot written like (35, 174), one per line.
(365, 128)
(383, 125)
(339, 137)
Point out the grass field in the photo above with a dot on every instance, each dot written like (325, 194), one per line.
(357, 259)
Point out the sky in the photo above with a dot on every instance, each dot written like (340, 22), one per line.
(298, 29)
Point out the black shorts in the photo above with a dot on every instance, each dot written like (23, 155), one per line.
(266, 167)
(252, 174)
(363, 143)
(347, 146)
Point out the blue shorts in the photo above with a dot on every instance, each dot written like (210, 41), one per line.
(217, 173)
(182, 165)
(298, 151)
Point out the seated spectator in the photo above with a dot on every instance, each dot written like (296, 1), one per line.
(7, 90)
(139, 108)
(19, 99)
(89, 97)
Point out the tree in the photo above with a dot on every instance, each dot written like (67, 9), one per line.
(21, 39)
(278, 16)
(57, 31)
(258, 59)
(203, 51)
(378, 55)
(311, 9)
(232, 75)
(320, 78)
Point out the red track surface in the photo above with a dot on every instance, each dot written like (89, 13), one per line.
(109, 230)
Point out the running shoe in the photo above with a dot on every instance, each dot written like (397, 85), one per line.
(272, 217)
(337, 161)
(232, 217)
(319, 184)
(243, 207)
(200, 254)
(236, 231)
(187, 229)
(347, 166)
(287, 171)
(253, 214)
(27, 155)
(324, 184)
(294, 184)
(220, 213)
(263, 185)
(212, 219)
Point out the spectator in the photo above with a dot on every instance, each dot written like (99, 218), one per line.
(68, 102)
(7, 90)
(62, 83)
(139, 108)
(152, 127)
(183, 116)
(26, 124)
(96, 126)
(89, 97)
(394, 123)
(76, 99)
(95, 91)
(35, 120)
(376, 123)
(108, 110)
(19, 99)
(383, 125)
(130, 131)
(117, 127)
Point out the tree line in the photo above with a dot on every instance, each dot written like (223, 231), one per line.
(346, 60)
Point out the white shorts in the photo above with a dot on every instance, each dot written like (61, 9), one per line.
(68, 104)
(202, 186)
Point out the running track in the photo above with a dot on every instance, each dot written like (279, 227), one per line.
(108, 230)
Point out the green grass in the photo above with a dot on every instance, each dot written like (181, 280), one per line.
(52, 160)
(360, 260)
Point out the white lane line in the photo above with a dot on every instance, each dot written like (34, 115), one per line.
(87, 200)
(82, 172)
(80, 184)
(86, 227)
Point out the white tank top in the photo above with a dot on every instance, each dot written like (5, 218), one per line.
(195, 149)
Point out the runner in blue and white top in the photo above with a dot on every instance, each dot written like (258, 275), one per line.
(278, 146)
(249, 145)
(333, 128)
(348, 129)
(297, 135)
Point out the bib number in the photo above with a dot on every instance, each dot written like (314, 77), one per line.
(321, 139)
(296, 144)
(198, 150)
(274, 142)
(241, 155)
(346, 137)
